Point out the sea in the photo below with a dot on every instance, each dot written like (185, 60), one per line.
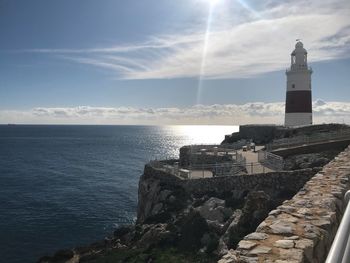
(63, 186)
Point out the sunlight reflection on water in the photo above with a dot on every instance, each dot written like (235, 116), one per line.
(204, 134)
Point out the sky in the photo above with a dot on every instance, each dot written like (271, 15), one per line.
(168, 62)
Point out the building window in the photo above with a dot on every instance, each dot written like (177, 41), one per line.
(293, 86)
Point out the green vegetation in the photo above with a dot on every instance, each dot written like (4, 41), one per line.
(169, 255)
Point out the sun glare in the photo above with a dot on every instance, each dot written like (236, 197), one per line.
(205, 48)
(213, 2)
(204, 134)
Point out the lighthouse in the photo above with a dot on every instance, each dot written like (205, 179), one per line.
(298, 110)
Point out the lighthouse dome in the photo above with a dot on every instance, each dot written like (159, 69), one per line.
(299, 45)
(299, 48)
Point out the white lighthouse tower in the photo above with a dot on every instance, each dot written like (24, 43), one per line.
(298, 99)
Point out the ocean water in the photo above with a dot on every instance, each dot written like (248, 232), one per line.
(64, 186)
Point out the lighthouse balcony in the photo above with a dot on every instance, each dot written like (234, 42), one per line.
(299, 68)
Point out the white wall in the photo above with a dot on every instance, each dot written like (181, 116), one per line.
(298, 119)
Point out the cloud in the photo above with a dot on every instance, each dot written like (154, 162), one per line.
(229, 114)
(242, 42)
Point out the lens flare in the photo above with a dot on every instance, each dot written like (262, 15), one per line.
(205, 50)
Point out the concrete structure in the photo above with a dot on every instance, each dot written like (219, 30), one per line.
(298, 110)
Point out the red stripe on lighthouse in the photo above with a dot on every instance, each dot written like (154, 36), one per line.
(298, 101)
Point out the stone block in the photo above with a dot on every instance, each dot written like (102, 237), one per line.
(284, 243)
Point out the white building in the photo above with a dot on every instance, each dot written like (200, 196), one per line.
(298, 98)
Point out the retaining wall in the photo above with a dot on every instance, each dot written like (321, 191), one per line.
(312, 148)
(274, 183)
(302, 229)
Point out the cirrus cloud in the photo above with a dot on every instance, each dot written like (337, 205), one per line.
(240, 42)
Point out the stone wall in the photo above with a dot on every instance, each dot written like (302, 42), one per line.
(281, 185)
(313, 148)
(260, 134)
(273, 183)
(302, 229)
(268, 182)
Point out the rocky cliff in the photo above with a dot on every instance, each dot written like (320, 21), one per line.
(197, 220)
(200, 220)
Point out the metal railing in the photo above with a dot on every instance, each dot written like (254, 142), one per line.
(271, 160)
(210, 169)
(220, 147)
(340, 250)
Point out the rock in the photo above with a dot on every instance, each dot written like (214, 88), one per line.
(164, 195)
(63, 255)
(292, 254)
(305, 211)
(325, 224)
(286, 261)
(312, 232)
(192, 228)
(284, 243)
(210, 241)
(307, 246)
(259, 250)
(289, 218)
(230, 257)
(214, 210)
(153, 235)
(172, 199)
(262, 226)
(248, 259)
(244, 244)
(304, 165)
(224, 241)
(255, 210)
(282, 227)
(123, 230)
(148, 196)
(215, 226)
(256, 236)
(157, 208)
(274, 212)
(304, 243)
(310, 160)
(321, 161)
(292, 238)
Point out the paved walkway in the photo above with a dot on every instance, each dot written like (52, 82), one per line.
(195, 174)
(253, 165)
(252, 158)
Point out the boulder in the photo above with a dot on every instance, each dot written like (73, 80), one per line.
(214, 210)
(225, 238)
